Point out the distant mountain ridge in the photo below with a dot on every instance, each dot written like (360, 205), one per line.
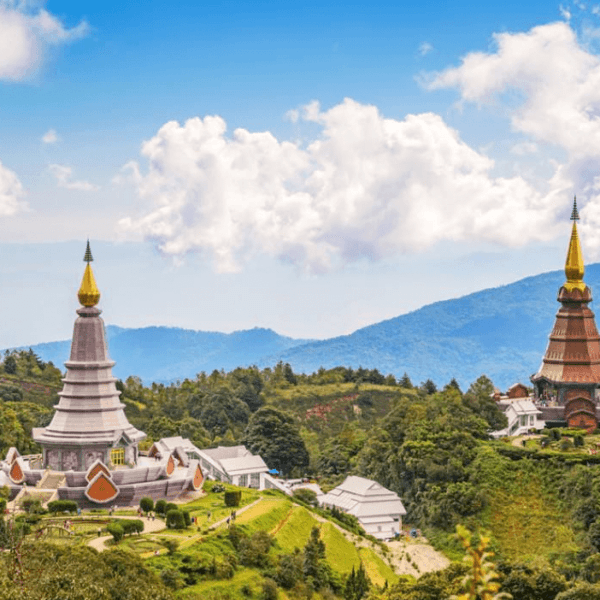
(501, 332)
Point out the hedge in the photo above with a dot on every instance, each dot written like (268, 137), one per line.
(233, 498)
(58, 506)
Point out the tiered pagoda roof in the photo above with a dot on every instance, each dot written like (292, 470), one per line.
(573, 352)
(89, 411)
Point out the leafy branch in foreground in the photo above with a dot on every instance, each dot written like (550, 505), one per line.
(481, 581)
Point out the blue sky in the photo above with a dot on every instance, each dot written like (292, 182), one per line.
(308, 167)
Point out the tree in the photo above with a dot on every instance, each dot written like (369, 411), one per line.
(274, 435)
(289, 375)
(405, 382)
(357, 584)
(146, 504)
(429, 387)
(10, 365)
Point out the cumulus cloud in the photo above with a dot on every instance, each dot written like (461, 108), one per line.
(27, 33)
(549, 83)
(50, 137)
(64, 177)
(11, 193)
(365, 187)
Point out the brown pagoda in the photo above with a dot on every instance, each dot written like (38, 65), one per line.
(570, 372)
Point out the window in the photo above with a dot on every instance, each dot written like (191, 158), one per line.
(117, 456)
(243, 481)
(255, 480)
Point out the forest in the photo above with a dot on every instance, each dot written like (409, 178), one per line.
(537, 511)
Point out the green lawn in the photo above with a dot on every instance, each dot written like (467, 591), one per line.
(378, 571)
(294, 531)
(225, 589)
(266, 514)
(341, 554)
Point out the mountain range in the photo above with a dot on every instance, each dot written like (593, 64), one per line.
(501, 332)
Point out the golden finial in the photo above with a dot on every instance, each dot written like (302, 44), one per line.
(574, 268)
(88, 294)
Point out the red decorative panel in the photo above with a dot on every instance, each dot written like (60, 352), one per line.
(198, 478)
(95, 469)
(16, 472)
(170, 465)
(101, 489)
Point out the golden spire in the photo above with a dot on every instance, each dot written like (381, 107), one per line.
(574, 268)
(88, 294)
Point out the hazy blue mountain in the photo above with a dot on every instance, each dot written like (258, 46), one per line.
(501, 332)
(169, 353)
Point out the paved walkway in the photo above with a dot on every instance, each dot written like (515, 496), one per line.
(518, 441)
(150, 526)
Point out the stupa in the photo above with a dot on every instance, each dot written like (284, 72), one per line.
(569, 375)
(89, 424)
(90, 450)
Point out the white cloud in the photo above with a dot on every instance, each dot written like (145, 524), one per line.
(523, 148)
(366, 187)
(11, 193)
(425, 48)
(63, 175)
(549, 83)
(26, 35)
(565, 12)
(50, 137)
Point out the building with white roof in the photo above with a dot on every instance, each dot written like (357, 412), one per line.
(522, 416)
(378, 510)
(232, 464)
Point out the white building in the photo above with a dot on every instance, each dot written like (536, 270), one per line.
(378, 510)
(522, 416)
(233, 464)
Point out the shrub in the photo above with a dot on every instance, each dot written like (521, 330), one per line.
(170, 545)
(170, 506)
(175, 519)
(578, 441)
(160, 507)
(186, 517)
(116, 531)
(146, 504)
(218, 488)
(565, 444)
(246, 591)
(132, 526)
(269, 590)
(171, 578)
(233, 498)
(306, 496)
(2, 505)
(31, 505)
(57, 506)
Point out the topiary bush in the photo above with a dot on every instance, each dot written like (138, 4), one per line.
(175, 519)
(160, 507)
(146, 504)
(233, 498)
(116, 530)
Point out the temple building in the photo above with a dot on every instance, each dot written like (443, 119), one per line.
(569, 376)
(90, 450)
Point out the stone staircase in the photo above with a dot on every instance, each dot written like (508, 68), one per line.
(45, 490)
(44, 496)
(51, 480)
